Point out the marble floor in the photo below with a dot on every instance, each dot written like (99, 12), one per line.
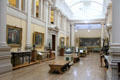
(87, 69)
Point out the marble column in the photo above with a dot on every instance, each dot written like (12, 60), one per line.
(69, 32)
(40, 9)
(62, 22)
(7, 2)
(28, 40)
(114, 58)
(41, 6)
(102, 34)
(58, 26)
(19, 4)
(49, 13)
(34, 8)
(5, 55)
(55, 17)
(65, 31)
(72, 36)
(58, 20)
(46, 13)
(25, 6)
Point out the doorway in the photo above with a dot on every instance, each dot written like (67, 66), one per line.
(53, 42)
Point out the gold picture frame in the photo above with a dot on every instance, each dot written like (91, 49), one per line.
(38, 39)
(97, 45)
(14, 36)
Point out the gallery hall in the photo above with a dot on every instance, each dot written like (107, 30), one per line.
(59, 39)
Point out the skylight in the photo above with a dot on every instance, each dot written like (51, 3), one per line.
(87, 26)
(86, 9)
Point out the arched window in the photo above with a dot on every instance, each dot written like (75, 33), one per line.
(52, 17)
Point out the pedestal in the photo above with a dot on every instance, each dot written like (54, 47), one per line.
(113, 60)
(62, 52)
(5, 60)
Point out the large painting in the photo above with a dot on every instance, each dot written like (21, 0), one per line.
(38, 39)
(14, 36)
(89, 42)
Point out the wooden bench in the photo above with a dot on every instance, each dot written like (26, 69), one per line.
(59, 66)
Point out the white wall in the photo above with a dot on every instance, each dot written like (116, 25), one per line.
(86, 34)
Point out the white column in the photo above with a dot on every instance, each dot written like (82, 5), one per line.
(62, 27)
(34, 8)
(115, 45)
(65, 22)
(114, 58)
(40, 9)
(115, 22)
(5, 56)
(49, 15)
(65, 31)
(102, 34)
(3, 19)
(19, 6)
(59, 19)
(41, 14)
(73, 37)
(25, 6)
(69, 32)
(46, 13)
(44, 16)
(55, 17)
(7, 2)
(28, 41)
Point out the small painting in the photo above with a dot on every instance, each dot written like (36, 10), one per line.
(38, 39)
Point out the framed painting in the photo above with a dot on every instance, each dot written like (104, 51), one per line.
(89, 42)
(62, 41)
(67, 42)
(38, 39)
(14, 36)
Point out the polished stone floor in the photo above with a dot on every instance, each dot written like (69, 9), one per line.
(87, 69)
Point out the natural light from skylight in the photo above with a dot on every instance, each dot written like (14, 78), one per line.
(86, 9)
(87, 26)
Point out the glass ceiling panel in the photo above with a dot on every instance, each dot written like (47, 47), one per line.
(86, 9)
(87, 26)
